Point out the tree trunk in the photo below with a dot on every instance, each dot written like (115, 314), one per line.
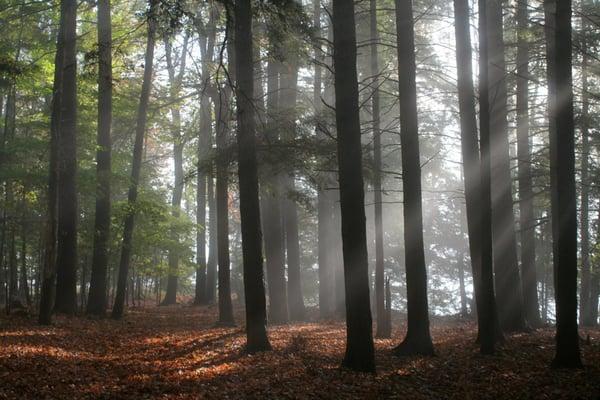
(97, 295)
(48, 274)
(272, 202)
(527, 220)
(211, 265)
(324, 207)
(66, 277)
(175, 81)
(506, 268)
(359, 354)
(562, 169)
(222, 205)
(207, 44)
(585, 309)
(489, 330)
(383, 328)
(289, 92)
(418, 338)
(254, 290)
(140, 130)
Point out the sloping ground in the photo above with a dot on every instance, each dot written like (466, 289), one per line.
(175, 352)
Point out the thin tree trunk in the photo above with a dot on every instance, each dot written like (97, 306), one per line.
(527, 220)
(211, 265)
(359, 353)
(383, 326)
(418, 338)
(66, 277)
(584, 308)
(140, 131)
(272, 202)
(98, 281)
(323, 205)
(562, 168)
(175, 81)
(222, 205)
(254, 290)
(289, 92)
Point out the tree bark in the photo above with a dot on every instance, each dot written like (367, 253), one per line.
(97, 294)
(418, 338)
(254, 290)
(359, 355)
(562, 169)
(140, 131)
(66, 277)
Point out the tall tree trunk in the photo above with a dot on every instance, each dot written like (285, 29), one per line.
(324, 207)
(584, 307)
(418, 338)
(271, 196)
(506, 268)
(527, 219)
(175, 81)
(222, 205)
(383, 326)
(595, 286)
(359, 354)
(97, 295)
(140, 131)
(489, 330)
(289, 92)
(562, 168)
(254, 290)
(48, 273)
(207, 45)
(66, 277)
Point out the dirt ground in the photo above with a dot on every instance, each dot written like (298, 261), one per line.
(177, 353)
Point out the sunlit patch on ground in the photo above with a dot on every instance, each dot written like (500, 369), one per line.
(176, 352)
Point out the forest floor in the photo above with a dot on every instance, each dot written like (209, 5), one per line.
(177, 353)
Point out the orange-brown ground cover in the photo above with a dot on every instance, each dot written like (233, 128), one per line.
(175, 352)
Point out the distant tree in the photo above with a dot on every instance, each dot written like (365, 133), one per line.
(97, 301)
(324, 206)
(254, 290)
(384, 327)
(136, 164)
(527, 218)
(207, 36)
(564, 209)
(175, 82)
(418, 338)
(272, 191)
(66, 261)
(359, 354)
(222, 104)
